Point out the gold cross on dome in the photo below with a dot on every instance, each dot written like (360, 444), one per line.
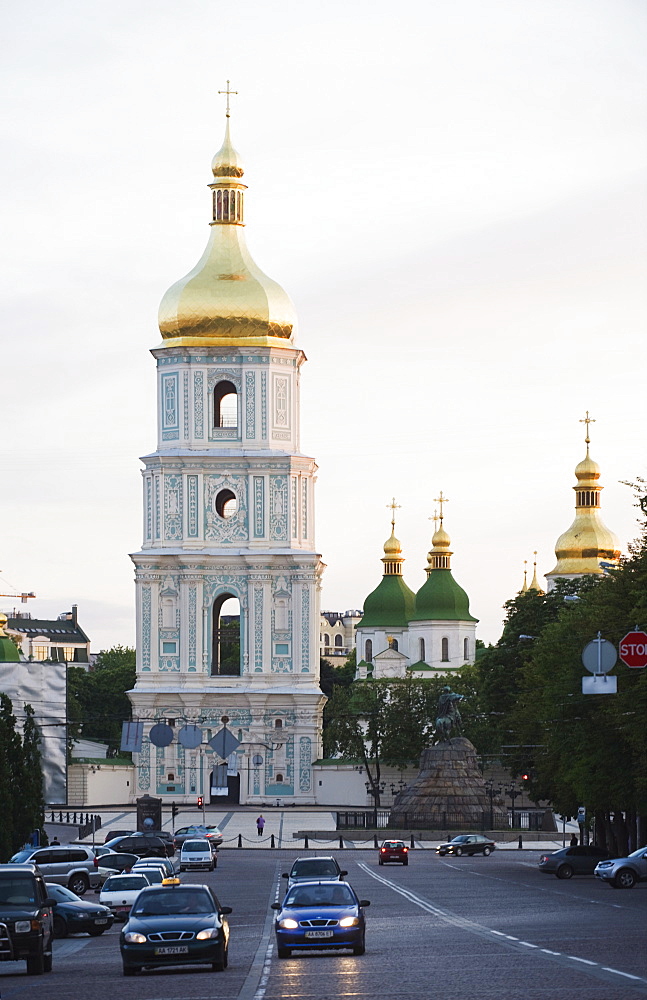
(394, 506)
(434, 519)
(587, 420)
(227, 92)
(441, 500)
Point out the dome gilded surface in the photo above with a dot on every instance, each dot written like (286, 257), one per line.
(226, 299)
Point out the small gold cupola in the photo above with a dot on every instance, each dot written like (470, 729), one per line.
(588, 547)
(226, 300)
(439, 557)
(535, 582)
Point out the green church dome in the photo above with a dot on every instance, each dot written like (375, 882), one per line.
(441, 598)
(391, 605)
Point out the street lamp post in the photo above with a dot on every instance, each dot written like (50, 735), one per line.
(514, 793)
(492, 792)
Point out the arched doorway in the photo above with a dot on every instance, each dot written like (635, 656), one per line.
(225, 647)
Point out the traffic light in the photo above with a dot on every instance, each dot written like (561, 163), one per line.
(200, 801)
(174, 810)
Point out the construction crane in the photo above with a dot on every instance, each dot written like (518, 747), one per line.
(23, 597)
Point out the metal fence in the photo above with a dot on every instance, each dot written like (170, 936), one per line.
(380, 819)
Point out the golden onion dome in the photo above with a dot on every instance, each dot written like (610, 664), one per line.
(226, 300)
(588, 546)
(392, 546)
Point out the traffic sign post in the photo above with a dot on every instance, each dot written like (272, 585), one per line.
(599, 657)
(633, 649)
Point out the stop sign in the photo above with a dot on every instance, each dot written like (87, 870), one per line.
(633, 649)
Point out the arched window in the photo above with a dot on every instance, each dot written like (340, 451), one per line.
(225, 647)
(225, 205)
(444, 645)
(393, 643)
(279, 779)
(232, 206)
(278, 724)
(368, 650)
(225, 405)
(339, 641)
(218, 214)
(421, 650)
(466, 649)
(226, 503)
(326, 640)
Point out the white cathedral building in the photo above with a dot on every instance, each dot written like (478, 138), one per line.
(228, 513)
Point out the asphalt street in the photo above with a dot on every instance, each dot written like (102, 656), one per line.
(452, 928)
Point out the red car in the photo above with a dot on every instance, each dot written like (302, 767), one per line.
(393, 850)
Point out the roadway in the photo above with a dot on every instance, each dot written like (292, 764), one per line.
(453, 928)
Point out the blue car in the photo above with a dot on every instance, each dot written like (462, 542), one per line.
(319, 915)
(74, 916)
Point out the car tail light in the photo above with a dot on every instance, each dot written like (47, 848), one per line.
(383, 850)
(96, 861)
(405, 849)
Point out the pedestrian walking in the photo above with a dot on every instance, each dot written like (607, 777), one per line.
(260, 823)
(573, 840)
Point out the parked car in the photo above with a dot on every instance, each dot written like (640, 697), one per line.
(307, 869)
(197, 854)
(73, 915)
(320, 915)
(113, 834)
(393, 850)
(72, 865)
(143, 845)
(572, 861)
(120, 892)
(26, 931)
(164, 864)
(175, 924)
(118, 861)
(210, 833)
(623, 873)
(467, 843)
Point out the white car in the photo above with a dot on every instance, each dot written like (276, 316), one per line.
(121, 891)
(197, 854)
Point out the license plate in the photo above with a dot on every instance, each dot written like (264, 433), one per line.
(319, 934)
(101, 920)
(173, 949)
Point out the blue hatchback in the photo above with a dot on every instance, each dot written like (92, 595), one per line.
(319, 915)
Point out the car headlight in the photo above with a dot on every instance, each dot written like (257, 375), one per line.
(605, 864)
(349, 922)
(22, 926)
(208, 934)
(288, 924)
(134, 937)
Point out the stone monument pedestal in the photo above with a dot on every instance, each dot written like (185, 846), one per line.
(449, 792)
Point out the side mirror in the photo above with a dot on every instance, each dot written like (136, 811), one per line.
(341, 874)
(97, 890)
(51, 902)
(275, 906)
(226, 909)
(364, 902)
(285, 875)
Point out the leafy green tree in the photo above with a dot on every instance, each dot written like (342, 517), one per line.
(331, 675)
(29, 805)
(21, 779)
(97, 699)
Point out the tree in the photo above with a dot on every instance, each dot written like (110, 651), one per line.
(331, 675)
(21, 779)
(97, 699)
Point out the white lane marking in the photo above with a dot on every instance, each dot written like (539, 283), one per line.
(527, 944)
(471, 925)
(627, 975)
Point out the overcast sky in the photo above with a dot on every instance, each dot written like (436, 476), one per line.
(453, 194)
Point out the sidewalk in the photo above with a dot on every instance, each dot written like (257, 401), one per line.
(238, 828)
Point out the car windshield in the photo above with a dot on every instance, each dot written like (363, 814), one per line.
(62, 894)
(459, 840)
(320, 895)
(17, 891)
(306, 869)
(166, 901)
(638, 853)
(196, 845)
(154, 875)
(117, 883)
(20, 857)
(392, 843)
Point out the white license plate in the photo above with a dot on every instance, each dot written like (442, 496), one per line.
(101, 920)
(319, 934)
(175, 949)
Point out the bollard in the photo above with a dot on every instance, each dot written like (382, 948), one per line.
(272, 844)
(520, 847)
(341, 843)
(240, 840)
(413, 843)
(306, 845)
(375, 840)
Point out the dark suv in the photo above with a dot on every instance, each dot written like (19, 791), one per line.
(143, 845)
(25, 918)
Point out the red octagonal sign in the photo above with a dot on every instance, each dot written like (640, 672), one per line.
(633, 649)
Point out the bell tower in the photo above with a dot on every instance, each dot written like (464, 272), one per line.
(228, 513)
